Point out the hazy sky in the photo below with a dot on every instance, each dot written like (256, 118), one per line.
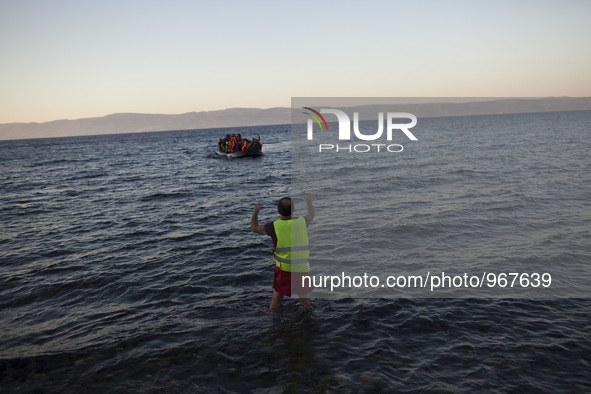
(69, 59)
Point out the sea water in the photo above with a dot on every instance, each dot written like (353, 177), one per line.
(127, 264)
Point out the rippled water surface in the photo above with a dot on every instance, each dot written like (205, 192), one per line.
(128, 265)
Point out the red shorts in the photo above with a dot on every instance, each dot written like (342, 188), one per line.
(284, 282)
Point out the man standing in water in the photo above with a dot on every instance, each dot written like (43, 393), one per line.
(290, 249)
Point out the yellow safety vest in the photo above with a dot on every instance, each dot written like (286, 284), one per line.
(293, 251)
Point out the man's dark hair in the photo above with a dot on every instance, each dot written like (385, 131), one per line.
(285, 207)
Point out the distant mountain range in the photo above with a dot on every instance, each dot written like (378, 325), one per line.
(237, 117)
(133, 122)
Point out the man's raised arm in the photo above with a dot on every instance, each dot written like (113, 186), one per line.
(309, 207)
(254, 222)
